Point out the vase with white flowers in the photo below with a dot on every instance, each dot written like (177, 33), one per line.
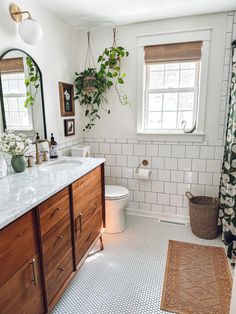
(16, 146)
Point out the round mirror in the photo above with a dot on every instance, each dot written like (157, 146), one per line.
(21, 92)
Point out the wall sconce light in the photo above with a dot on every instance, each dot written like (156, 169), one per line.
(29, 30)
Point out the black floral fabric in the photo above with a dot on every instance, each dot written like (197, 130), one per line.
(227, 212)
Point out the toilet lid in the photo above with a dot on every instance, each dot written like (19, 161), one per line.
(115, 191)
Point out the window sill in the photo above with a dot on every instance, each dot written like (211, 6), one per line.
(171, 136)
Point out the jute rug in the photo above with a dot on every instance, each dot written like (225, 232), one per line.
(197, 279)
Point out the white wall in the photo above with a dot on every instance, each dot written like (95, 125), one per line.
(57, 56)
(177, 164)
(126, 116)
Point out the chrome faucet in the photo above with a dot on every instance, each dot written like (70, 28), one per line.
(36, 143)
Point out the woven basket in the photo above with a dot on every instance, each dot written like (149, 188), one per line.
(203, 212)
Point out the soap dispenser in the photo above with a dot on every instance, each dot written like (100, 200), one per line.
(53, 147)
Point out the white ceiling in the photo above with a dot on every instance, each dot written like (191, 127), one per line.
(99, 13)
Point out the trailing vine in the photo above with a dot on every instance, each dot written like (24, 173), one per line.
(33, 80)
(90, 87)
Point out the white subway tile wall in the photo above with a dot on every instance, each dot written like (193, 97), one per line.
(171, 176)
(176, 167)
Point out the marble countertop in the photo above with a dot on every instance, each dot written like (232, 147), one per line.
(20, 192)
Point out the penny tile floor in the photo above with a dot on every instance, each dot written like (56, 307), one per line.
(126, 277)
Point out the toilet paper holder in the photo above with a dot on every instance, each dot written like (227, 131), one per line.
(144, 163)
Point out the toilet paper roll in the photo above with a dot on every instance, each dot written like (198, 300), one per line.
(144, 174)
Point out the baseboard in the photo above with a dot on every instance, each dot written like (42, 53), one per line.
(162, 217)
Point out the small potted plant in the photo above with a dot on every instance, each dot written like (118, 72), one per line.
(16, 146)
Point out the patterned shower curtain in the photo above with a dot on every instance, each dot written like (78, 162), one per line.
(227, 212)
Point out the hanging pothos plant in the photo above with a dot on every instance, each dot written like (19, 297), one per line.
(109, 62)
(91, 85)
(90, 88)
(32, 82)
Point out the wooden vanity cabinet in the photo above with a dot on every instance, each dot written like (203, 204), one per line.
(41, 251)
(20, 280)
(87, 196)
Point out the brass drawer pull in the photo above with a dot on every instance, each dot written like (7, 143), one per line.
(80, 223)
(56, 210)
(35, 279)
(60, 237)
(61, 269)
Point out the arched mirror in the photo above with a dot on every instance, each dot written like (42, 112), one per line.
(21, 92)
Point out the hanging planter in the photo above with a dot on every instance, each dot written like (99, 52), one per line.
(91, 85)
(90, 89)
(110, 68)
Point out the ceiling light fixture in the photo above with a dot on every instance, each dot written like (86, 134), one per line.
(29, 30)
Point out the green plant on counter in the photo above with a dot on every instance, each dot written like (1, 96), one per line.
(109, 62)
(90, 87)
(32, 82)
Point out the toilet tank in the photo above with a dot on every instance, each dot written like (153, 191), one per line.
(80, 151)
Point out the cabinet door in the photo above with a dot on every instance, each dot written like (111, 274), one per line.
(17, 245)
(87, 194)
(85, 236)
(87, 205)
(22, 293)
(20, 275)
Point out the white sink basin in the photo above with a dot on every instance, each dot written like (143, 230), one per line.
(62, 165)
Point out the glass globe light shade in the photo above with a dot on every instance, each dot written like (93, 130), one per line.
(30, 31)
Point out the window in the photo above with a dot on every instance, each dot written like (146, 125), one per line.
(171, 86)
(14, 94)
(171, 95)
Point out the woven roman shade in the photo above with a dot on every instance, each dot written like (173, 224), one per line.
(173, 52)
(12, 65)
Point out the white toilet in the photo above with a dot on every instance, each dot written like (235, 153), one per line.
(116, 200)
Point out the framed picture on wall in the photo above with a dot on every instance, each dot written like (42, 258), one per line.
(69, 126)
(67, 99)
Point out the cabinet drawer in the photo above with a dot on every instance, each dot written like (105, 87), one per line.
(85, 237)
(21, 294)
(17, 245)
(87, 198)
(57, 239)
(58, 275)
(53, 210)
